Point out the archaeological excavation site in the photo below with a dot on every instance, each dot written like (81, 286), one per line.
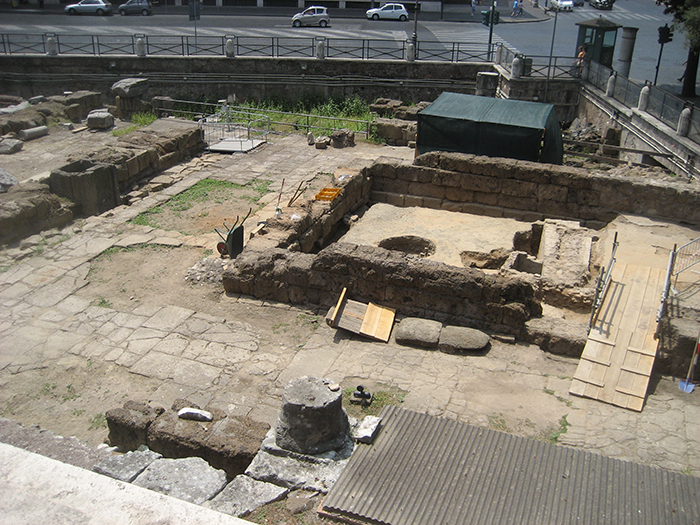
(381, 313)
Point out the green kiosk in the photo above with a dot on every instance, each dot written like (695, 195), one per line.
(598, 36)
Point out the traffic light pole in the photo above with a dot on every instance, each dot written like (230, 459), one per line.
(658, 63)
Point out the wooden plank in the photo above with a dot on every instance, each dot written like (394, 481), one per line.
(378, 322)
(338, 305)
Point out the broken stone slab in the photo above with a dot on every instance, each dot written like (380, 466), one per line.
(126, 467)
(194, 414)
(188, 479)
(296, 473)
(128, 425)
(100, 119)
(130, 87)
(37, 100)
(6, 180)
(322, 142)
(367, 430)
(269, 445)
(413, 331)
(33, 133)
(244, 494)
(10, 146)
(460, 340)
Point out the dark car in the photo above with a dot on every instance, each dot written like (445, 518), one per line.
(578, 3)
(136, 7)
(602, 4)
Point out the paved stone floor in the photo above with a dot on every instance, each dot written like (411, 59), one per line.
(45, 324)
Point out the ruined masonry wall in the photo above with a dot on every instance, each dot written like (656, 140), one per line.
(528, 190)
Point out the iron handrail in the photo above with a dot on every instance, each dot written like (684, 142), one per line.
(602, 285)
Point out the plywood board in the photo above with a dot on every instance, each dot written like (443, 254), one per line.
(378, 322)
(618, 358)
(370, 320)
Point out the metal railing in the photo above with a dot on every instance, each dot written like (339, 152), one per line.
(245, 46)
(220, 113)
(679, 260)
(230, 124)
(602, 285)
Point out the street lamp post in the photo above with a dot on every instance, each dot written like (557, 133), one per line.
(414, 38)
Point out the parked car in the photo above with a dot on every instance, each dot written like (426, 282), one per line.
(91, 7)
(388, 12)
(313, 16)
(562, 5)
(578, 3)
(601, 4)
(135, 7)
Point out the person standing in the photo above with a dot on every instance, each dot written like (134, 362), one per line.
(473, 7)
(515, 8)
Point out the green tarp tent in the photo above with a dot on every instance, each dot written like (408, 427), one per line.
(491, 126)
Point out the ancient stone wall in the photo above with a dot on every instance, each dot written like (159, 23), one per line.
(528, 190)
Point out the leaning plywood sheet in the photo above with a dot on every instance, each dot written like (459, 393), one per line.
(618, 357)
(370, 320)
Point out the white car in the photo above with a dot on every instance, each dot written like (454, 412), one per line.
(388, 12)
(562, 5)
(313, 16)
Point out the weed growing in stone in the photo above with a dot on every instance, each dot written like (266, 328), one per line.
(564, 425)
(98, 421)
(103, 303)
(498, 423)
(70, 394)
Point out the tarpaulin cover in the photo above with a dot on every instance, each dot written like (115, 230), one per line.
(490, 126)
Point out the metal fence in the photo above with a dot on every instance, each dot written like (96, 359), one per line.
(244, 46)
(225, 118)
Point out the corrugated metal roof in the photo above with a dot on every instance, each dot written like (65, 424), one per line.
(427, 470)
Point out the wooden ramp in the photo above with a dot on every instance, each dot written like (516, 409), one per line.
(619, 354)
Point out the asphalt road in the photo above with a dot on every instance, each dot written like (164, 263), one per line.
(546, 31)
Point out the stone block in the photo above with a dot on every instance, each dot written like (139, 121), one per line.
(130, 87)
(128, 426)
(9, 146)
(460, 340)
(100, 119)
(188, 479)
(125, 467)
(424, 333)
(366, 431)
(6, 180)
(93, 187)
(244, 494)
(303, 472)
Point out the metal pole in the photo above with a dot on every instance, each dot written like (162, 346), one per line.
(493, 6)
(414, 38)
(551, 52)
(658, 63)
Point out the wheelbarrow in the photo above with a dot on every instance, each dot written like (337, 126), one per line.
(231, 243)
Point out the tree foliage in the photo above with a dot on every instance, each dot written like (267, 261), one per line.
(686, 18)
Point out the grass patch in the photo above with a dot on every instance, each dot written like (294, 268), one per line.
(70, 394)
(380, 398)
(139, 120)
(148, 218)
